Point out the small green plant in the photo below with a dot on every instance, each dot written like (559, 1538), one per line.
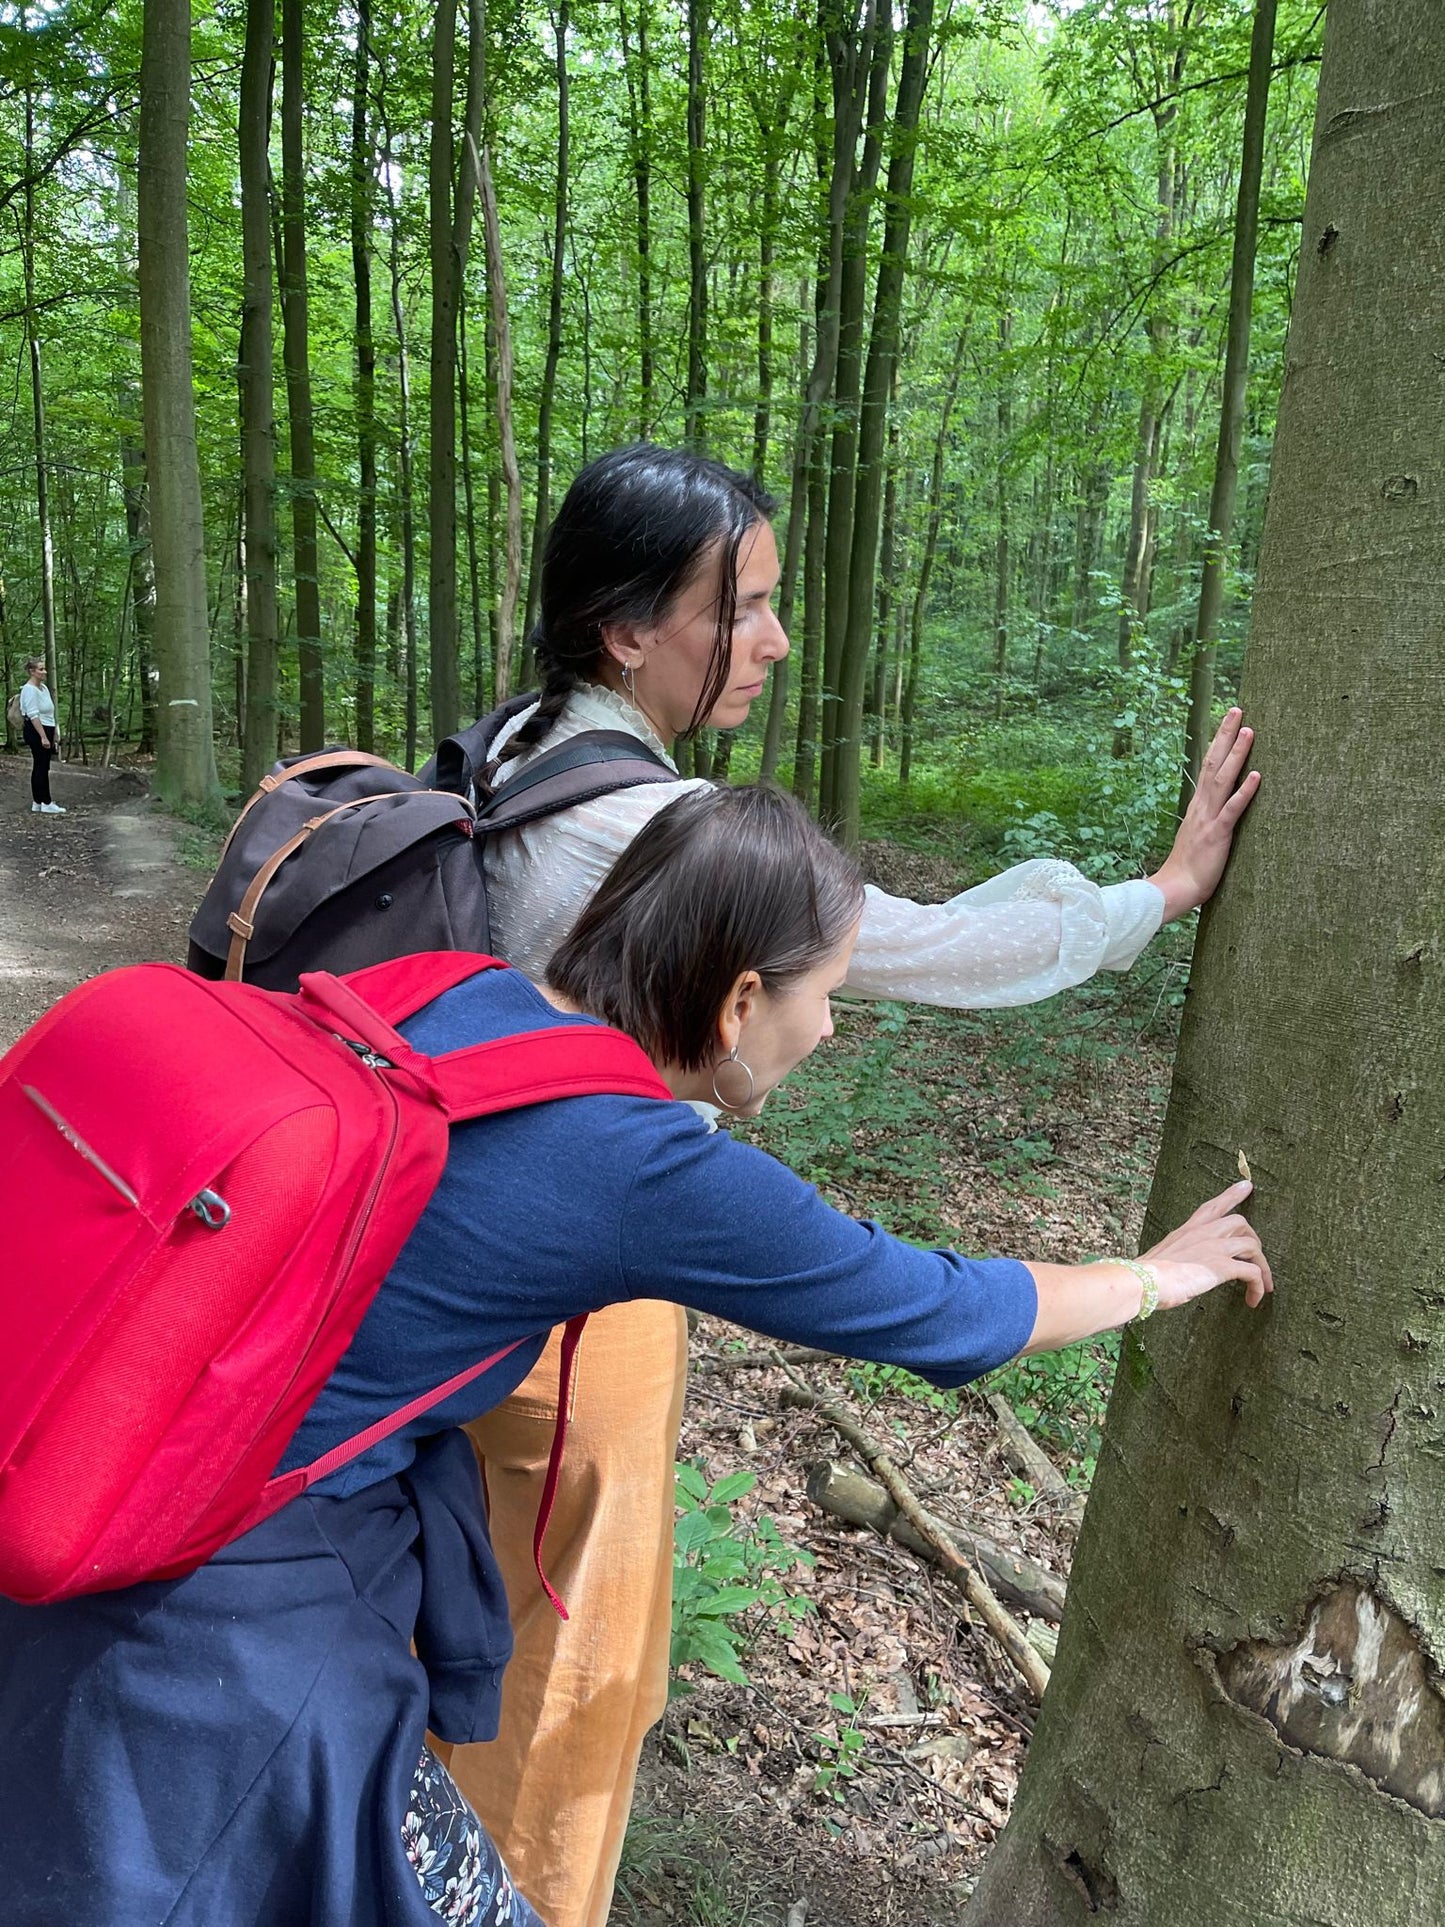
(723, 1570)
(841, 1748)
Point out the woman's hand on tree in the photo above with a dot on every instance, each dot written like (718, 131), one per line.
(1210, 1248)
(1190, 873)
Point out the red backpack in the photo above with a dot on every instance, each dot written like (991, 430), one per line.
(203, 1186)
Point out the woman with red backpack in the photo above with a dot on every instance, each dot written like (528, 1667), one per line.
(247, 1743)
(656, 619)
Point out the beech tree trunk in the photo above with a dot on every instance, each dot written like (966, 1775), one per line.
(257, 395)
(37, 403)
(639, 110)
(511, 474)
(1246, 1726)
(908, 707)
(185, 754)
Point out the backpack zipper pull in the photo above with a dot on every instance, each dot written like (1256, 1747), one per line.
(373, 1060)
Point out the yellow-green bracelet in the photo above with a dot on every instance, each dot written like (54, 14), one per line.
(1149, 1303)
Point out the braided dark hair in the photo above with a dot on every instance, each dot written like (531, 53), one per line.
(629, 537)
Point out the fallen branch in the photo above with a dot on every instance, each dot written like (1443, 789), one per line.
(859, 1500)
(970, 1582)
(1031, 1462)
(758, 1361)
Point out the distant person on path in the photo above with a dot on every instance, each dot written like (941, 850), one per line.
(37, 708)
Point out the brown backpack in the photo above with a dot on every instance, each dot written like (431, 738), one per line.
(341, 859)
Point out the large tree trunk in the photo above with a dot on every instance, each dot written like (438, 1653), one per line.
(296, 352)
(1231, 407)
(554, 322)
(363, 186)
(185, 755)
(256, 380)
(1246, 1724)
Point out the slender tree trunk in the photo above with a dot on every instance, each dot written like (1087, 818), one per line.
(887, 545)
(787, 593)
(554, 321)
(406, 511)
(1232, 404)
(873, 418)
(511, 474)
(185, 754)
(469, 495)
(909, 706)
(767, 240)
(805, 759)
(639, 109)
(1245, 1723)
(452, 191)
(494, 516)
(260, 735)
(296, 351)
(1002, 561)
(37, 402)
(142, 569)
(843, 461)
(363, 196)
(694, 430)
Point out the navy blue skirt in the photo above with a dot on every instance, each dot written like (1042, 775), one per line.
(246, 1747)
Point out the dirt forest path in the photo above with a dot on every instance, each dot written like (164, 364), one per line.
(80, 893)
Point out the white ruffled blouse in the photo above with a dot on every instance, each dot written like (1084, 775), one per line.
(1020, 937)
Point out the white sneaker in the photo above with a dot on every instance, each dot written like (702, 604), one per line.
(52, 809)
(36, 808)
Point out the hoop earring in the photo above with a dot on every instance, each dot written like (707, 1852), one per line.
(733, 1058)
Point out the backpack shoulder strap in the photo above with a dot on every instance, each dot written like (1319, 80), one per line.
(585, 767)
(538, 1066)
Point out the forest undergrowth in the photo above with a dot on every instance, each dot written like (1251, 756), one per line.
(862, 1753)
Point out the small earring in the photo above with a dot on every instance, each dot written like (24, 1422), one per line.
(733, 1058)
(629, 680)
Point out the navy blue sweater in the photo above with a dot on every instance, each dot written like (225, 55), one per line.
(568, 1206)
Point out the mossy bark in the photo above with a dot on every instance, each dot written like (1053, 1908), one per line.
(1246, 1722)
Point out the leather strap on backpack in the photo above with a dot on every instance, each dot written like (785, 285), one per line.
(304, 766)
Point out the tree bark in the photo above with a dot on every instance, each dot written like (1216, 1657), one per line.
(554, 322)
(185, 754)
(406, 502)
(1247, 1725)
(259, 740)
(296, 352)
(1231, 407)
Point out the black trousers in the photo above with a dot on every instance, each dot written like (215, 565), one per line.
(40, 755)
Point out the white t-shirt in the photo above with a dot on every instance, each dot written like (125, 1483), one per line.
(1020, 937)
(37, 705)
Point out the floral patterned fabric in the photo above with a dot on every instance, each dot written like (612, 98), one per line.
(462, 1877)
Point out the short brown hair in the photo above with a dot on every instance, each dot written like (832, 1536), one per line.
(718, 883)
